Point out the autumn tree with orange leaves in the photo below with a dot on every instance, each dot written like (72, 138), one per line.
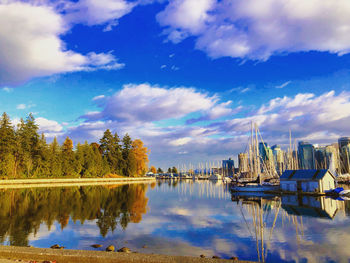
(153, 169)
(141, 156)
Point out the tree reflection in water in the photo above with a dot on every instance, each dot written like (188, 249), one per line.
(22, 211)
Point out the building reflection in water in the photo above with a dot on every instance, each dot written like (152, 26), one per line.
(262, 213)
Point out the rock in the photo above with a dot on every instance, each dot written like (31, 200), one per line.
(56, 246)
(124, 249)
(217, 257)
(144, 246)
(202, 256)
(110, 248)
(96, 245)
(234, 258)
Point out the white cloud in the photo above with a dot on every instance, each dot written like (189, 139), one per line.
(31, 45)
(21, 106)
(245, 90)
(285, 84)
(180, 141)
(50, 128)
(189, 16)
(7, 89)
(145, 103)
(99, 12)
(251, 29)
(99, 97)
(322, 118)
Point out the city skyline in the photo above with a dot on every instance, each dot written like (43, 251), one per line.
(187, 77)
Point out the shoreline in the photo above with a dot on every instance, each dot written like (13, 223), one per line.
(13, 253)
(66, 182)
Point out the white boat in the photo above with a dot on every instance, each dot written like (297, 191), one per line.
(227, 180)
(345, 192)
(254, 188)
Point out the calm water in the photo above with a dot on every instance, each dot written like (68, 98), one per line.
(180, 218)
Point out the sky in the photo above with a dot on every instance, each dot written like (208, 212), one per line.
(188, 77)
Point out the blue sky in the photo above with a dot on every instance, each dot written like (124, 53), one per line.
(186, 76)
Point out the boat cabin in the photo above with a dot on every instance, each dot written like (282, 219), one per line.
(307, 181)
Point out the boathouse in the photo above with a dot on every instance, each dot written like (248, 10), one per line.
(307, 181)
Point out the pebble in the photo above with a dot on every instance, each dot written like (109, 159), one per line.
(110, 248)
(124, 249)
(96, 245)
(56, 246)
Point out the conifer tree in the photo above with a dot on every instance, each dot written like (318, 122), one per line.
(7, 146)
(129, 168)
(55, 164)
(68, 158)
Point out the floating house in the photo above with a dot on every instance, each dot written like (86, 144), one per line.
(310, 206)
(307, 181)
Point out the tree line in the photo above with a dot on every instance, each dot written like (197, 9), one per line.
(24, 153)
(160, 170)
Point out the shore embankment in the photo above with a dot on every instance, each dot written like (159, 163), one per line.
(11, 253)
(65, 182)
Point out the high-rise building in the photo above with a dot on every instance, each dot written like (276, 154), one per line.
(228, 167)
(343, 141)
(306, 155)
(344, 154)
(332, 158)
(263, 152)
(243, 165)
(278, 159)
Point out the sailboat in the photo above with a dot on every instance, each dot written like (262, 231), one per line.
(256, 185)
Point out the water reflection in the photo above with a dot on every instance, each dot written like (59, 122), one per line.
(22, 211)
(179, 218)
(304, 230)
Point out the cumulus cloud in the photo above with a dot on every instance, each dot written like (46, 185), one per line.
(99, 12)
(320, 118)
(256, 30)
(146, 103)
(50, 128)
(31, 45)
(148, 112)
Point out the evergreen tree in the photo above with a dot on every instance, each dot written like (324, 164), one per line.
(159, 170)
(7, 146)
(24, 153)
(129, 159)
(68, 158)
(111, 151)
(55, 164)
(42, 165)
(28, 138)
